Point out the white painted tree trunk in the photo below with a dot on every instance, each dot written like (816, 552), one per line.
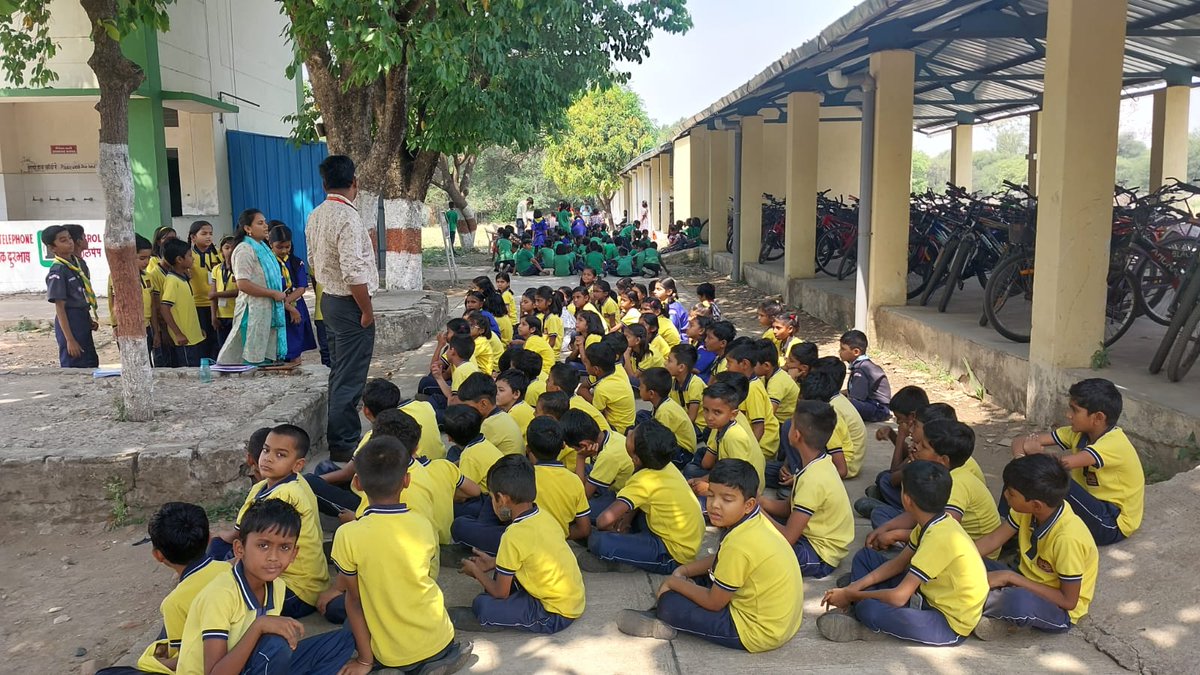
(403, 220)
(137, 381)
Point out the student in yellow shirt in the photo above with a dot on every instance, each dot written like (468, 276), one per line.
(817, 521)
(530, 331)
(511, 386)
(784, 331)
(767, 312)
(611, 394)
(652, 308)
(143, 255)
(566, 378)
(530, 365)
(223, 294)
(205, 257)
(1108, 489)
(479, 392)
(599, 458)
(742, 358)
(782, 390)
(638, 355)
(386, 560)
(589, 328)
(655, 388)
(655, 524)
(601, 295)
(688, 388)
(503, 285)
(730, 440)
(753, 594)
(460, 353)
(548, 594)
(560, 493)
(485, 341)
(550, 309)
(473, 454)
(178, 307)
(940, 561)
(821, 386)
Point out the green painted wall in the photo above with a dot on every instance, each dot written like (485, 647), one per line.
(147, 138)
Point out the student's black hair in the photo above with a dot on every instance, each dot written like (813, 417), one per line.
(545, 438)
(397, 424)
(908, 400)
(379, 395)
(381, 465)
(565, 376)
(516, 380)
(815, 420)
(461, 423)
(615, 341)
(141, 243)
(493, 301)
(537, 213)
(50, 233)
(337, 172)
(513, 476)
(640, 335)
(481, 322)
(771, 308)
(739, 382)
(561, 249)
(654, 444)
(477, 387)
(742, 349)
(174, 249)
(832, 366)
(658, 380)
(954, 440)
(269, 515)
(855, 339)
(534, 323)
(737, 474)
(706, 291)
(650, 323)
(76, 230)
(578, 426)
(554, 304)
(179, 531)
(1097, 394)
(254, 444)
(601, 356)
(528, 362)
(279, 234)
(592, 320)
(723, 331)
(653, 304)
(766, 352)
(927, 484)
(298, 435)
(819, 386)
(161, 234)
(1041, 477)
(196, 227)
(504, 276)
(463, 345)
(555, 403)
(685, 354)
(936, 411)
(723, 391)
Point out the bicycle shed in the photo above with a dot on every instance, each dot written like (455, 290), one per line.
(945, 65)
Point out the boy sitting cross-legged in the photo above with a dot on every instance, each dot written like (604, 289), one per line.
(600, 461)
(748, 595)
(655, 524)
(818, 522)
(1056, 579)
(511, 386)
(655, 387)
(565, 378)
(940, 561)
(479, 392)
(560, 493)
(730, 438)
(548, 594)
(234, 625)
(387, 559)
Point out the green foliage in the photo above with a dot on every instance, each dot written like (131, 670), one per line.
(920, 171)
(1101, 358)
(304, 122)
(605, 129)
(1190, 450)
(114, 493)
(976, 388)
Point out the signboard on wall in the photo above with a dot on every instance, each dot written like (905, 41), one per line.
(23, 260)
(64, 149)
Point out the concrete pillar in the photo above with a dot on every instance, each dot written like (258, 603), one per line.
(720, 188)
(840, 151)
(962, 168)
(752, 188)
(663, 184)
(1084, 56)
(891, 176)
(803, 133)
(653, 187)
(626, 198)
(695, 205)
(1035, 148)
(774, 165)
(681, 177)
(1169, 135)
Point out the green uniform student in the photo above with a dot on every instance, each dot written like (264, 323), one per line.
(524, 262)
(564, 264)
(625, 265)
(595, 260)
(610, 250)
(547, 256)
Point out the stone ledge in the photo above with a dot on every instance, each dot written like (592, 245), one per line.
(404, 320)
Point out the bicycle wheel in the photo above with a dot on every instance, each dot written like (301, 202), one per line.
(1187, 347)
(1121, 307)
(1188, 296)
(829, 252)
(962, 254)
(848, 265)
(920, 267)
(1158, 286)
(936, 277)
(772, 249)
(1008, 298)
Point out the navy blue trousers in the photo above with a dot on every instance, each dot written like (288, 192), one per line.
(79, 319)
(889, 494)
(683, 614)
(482, 531)
(811, 564)
(641, 548)
(323, 654)
(925, 625)
(871, 411)
(519, 610)
(331, 498)
(1023, 608)
(1100, 517)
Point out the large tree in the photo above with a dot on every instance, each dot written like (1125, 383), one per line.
(399, 83)
(606, 129)
(27, 50)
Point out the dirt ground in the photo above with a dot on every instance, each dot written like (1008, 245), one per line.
(110, 589)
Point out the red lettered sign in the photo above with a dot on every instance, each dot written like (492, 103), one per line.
(64, 149)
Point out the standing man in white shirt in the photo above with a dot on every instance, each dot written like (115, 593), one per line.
(341, 255)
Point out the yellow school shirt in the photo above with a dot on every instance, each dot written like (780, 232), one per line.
(146, 306)
(786, 348)
(608, 308)
(840, 440)
(510, 305)
(533, 550)
(502, 431)
(1116, 477)
(477, 458)
(783, 392)
(736, 442)
(971, 500)
(461, 372)
(560, 493)
(222, 280)
(308, 575)
(856, 430)
(224, 610)
(483, 357)
(660, 348)
(953, 578)
(675, 418)
(612, 466)
(552, 327)
(580, 403)
(692, 391)
(974, 469)
(156, 275)
(202, 265)
(430, 445)
(539, 345)
(613, 397)
(177, 295)
(174, 609)
(631, 317)
(506, 330)
(522, 413)
(671, 509)
(392, 551)
(1061, 549)
(756, 565)
(667, 331)
(651, 359)
(757, 408)
(535, 390)
(819, 492)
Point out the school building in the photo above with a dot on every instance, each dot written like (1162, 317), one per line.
(943, 66)
(206, 132)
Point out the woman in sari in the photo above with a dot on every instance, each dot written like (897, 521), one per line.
(259, 335)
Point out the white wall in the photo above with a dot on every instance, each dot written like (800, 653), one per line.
(39, 184)
(71, 30)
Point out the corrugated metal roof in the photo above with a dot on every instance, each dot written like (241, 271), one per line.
(982, 58)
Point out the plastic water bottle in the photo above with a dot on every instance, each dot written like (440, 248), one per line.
(206, 371)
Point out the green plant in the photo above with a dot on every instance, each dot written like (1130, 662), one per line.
(977, 390)
(1190, 450)
(120, 412)
(226, 509)
(24, 326)
(1100, 358)
(114, 493)
(920, 366)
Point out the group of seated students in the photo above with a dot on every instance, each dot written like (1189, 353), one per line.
(563, 252)
(552, 470)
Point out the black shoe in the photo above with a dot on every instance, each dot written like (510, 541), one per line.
(841, 627)
(464, 619)
(873, 492)
(456, 659)
(590, 562)
(865, 506)
(843, 581)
